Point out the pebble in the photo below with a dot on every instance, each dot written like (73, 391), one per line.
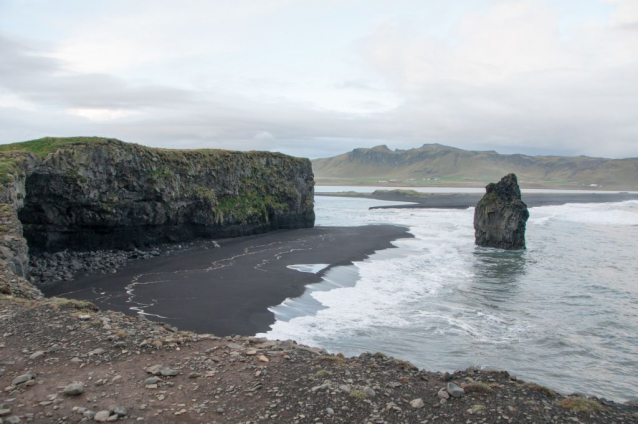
(443, 394)
(23, 378)
(151, 380)
(330, 411)
(162, 370)
(455, 390)
(121, 411)
(97, 351)
(4, 412)
(74, 389)
(417, 403)
(102, 416)
(262, 358)
(36, 355)
(369, 391)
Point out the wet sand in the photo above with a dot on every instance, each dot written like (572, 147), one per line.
(228, 290)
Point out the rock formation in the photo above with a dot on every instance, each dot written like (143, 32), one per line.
(95, 193)
(500, 216)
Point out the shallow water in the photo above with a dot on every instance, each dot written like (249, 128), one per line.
(562, 313)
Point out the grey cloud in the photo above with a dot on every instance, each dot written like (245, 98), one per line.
(560, 111)
(24, 71)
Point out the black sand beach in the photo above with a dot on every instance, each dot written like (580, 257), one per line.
(466, 200)
(228, 290)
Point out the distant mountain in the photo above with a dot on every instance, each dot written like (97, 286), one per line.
(435, 164)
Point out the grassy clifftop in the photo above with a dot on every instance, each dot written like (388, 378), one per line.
(43, 146)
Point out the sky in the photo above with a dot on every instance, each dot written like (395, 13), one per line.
(319, 78)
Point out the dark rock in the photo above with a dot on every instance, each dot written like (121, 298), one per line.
(74, 389)
(455, 390)
(120, 411)
(110, 194)
(21, 379)
(99, 193)
(500, 216)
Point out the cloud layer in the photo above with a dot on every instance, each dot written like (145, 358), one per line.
(319, 78)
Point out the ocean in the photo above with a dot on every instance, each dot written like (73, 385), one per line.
(563, 313)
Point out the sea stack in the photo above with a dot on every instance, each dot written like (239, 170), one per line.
(500, 216)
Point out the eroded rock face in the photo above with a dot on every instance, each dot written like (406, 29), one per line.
(122, 195)
(500, 216)
(108, 194)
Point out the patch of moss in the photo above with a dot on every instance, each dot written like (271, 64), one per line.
(476, 387)
(541, 389)
(358, 394)
(250, 204)
(407, 365)
(578, 404)
(322, 373)
(5, 289)
(64, 303)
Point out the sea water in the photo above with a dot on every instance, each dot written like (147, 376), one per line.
(563, 313)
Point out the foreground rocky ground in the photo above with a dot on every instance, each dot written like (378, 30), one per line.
(63, 361)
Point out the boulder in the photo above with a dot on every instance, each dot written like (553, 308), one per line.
(500, 216)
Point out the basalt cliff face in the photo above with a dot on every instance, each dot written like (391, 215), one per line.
(95, 193)
(500, 216)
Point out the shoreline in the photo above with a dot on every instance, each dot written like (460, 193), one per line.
(322, 182)
(231, 288)
(466, 200)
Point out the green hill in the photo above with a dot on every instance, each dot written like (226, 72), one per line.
(435, 164)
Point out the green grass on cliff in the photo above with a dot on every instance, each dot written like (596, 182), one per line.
(10, 154)
(43, 146)
(46, 145)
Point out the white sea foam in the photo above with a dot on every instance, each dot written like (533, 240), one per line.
(442, 303)
(309, 268)
(621, 213)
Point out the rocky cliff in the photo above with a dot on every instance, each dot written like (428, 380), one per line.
(96, 193)
(500, 216)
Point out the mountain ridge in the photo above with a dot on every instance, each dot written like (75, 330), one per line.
(435, 164)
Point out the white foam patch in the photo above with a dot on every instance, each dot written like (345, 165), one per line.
(309, 268)
(401, 288)
(621, 213)
(390, 280)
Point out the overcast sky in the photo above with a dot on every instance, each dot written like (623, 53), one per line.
(318, 78)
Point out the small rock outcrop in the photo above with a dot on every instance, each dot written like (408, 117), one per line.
(500, 216)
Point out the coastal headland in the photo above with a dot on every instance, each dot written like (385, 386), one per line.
(70, 360)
